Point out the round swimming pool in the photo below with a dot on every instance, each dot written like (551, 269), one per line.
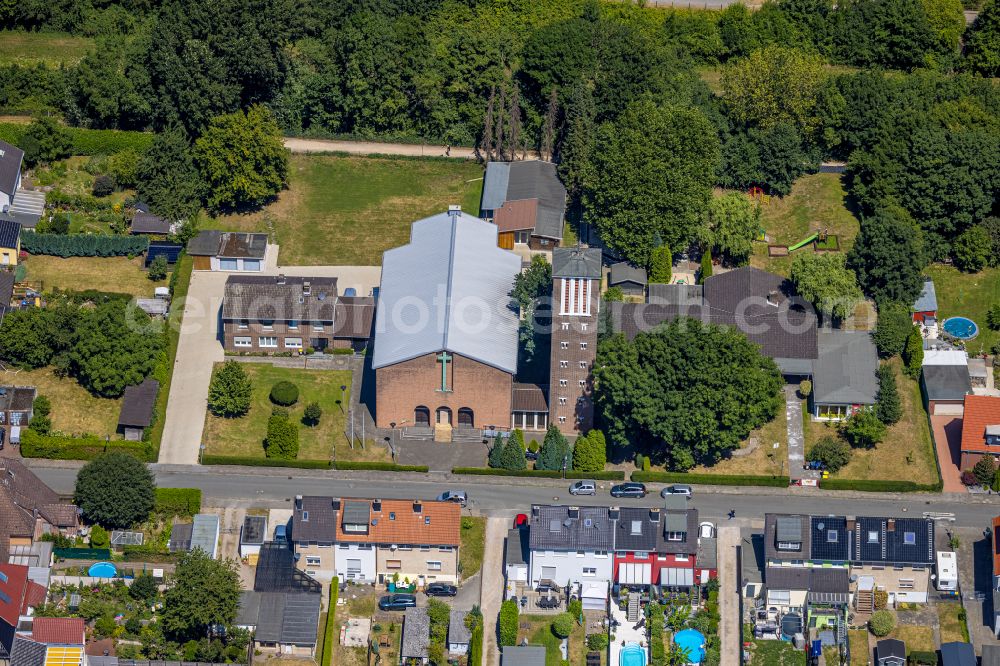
(692, 642)
(632, 654)
(102, 570)
(962, 328)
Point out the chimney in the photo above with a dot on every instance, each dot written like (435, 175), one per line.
(891, 525)
(772, 298)
(852, 525)
(454, 210)
(417, 506)
(654, 515)
(614, 513)
(306, 288)
(335, 505)
(298, 502)
(535, 510)
(574, 512)
(377, 505)
(281, 278)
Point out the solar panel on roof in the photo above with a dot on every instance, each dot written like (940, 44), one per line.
(169, 251)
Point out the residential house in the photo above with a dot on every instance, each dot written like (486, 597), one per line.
(51, 641)
(925, 307)
(894, 555)
(137, 409)
(282, 623)
(16, 204)
(945, 381)
(958, 654)
(630, 279)
(654, 547)
(10, 242)
(278, 313)
(996, 575)
(416, 637)
(229, 251)
(516, 558)
(144, 222)
(459, 635)
(527, 202)
(752, 559)
(352, 322)
(980, 429)
(573, 547)
(523, 655)
(29, 508)
(313, 534)
(890, 652)
(355, 558)
(253, 534)
(844, 379)
(19, 596)
(16, 408)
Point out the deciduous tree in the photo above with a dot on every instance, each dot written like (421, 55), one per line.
(832, 452)
(45, 141)
(863, 429)
(116, 346)
(203, 592)
(733, 225)
(972, 249)
(115, 490)
(826, 282)
(888, 257)
(982, 41)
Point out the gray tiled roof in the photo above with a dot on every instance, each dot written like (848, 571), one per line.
(495, 185)
(416, 634)
(674, 520)
(638, 529)
(927, 301)
(991, 655)
(527, 179)
(446, 290)
(289, 618)
(573, 262)
(626, 272)
(752, 544)
(771, 536)
(26, 652)
(893, 647)
(523, 655)
(844, 373)
(708, 553)
(529, 397)
(257, 297)
(958, 654)
(300, 621)
(353, 317)
(206, 243)
(552, 528)
(814, 579)
(946, 382)
(457, 631)
(10, 167)
(314, 520)
(674, 294)
(517, 547)
(249, 608)
(137, 405)
(148, 223)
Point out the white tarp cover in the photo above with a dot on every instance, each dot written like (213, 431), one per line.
(594, 595)
(676, 577)
(635, 573)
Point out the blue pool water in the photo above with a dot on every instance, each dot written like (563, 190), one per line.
(960, 327)
(632, 654)
(102, 570)
(693, 643)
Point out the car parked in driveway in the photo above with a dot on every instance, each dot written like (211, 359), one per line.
(583, 488)
(392, 602)
(629, 489)
(457, 496)
(676, 489)
(440, 590)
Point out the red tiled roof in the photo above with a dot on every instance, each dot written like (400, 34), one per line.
(980, 411)
(13, 584)
(517, 215)
(34, 597)
(58, 630)
(438, 523)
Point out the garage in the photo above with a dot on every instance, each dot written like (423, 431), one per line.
(939, 408)
(945, 381)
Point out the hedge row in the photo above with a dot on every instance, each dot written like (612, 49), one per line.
(96, 296)
(148, 553)
(611, 475)
(876, 486)
(476, 647)
(326, 656)
(82, 245)
(921, 657)
(88, 141)
(309, 464)
(62, 447)
(178, 501)
(711, 479)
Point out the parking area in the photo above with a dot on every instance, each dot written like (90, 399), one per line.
(947, 433)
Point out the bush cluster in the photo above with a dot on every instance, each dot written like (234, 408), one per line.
(82, 245)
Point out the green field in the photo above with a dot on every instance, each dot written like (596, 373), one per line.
(341, 210)
(968, 295)
(52, 48)
(245, 436)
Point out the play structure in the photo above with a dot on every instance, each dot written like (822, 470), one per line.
(822, 242)
(757, 194)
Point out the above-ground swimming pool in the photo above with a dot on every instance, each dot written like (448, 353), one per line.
(693, 643)
(102, 570)
(632, 654)
(962, 328)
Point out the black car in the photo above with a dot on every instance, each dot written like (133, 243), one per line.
(440, 590)
(628, 490)
(391, 602)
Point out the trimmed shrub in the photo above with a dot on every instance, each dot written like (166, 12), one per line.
(284, 393)
(881, 486)
(249, 461)
(597, 642)
(711, 479)
(62, 447)
(833, 453)
(282, 438)
(476, 646)
(103, 185)
(805, 388)
(312, 414)
(985, 469)
(508, 623)
(99, 537)
(82, 245)
(608, 475)
(330, 630)
(882, 622)
(182, 502)
(562, 625)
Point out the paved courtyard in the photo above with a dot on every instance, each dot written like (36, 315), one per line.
(947, 433)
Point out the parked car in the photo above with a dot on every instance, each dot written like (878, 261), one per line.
(391, 602)
(520, 521)
(531, 455)
(457, 496)
(281, 534)
(583, 488)
(629, 489)
(440, 590)
(676, 489)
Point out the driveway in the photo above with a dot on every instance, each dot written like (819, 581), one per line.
(947, 433)
(729, 588)
(796, 435)
(199, 348)
(492, 577)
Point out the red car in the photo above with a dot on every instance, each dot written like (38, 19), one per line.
(520, 520)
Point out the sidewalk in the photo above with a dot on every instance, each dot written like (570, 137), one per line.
(299, 145)
(491, 594)
(729, 589)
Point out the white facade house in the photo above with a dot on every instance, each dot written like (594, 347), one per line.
(574, 547)
(947, 571)
(355, 562)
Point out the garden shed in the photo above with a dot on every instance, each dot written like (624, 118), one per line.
(137, 409)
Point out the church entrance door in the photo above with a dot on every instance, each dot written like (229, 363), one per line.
(444, 416)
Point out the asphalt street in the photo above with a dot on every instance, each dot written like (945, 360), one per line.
(498, 497)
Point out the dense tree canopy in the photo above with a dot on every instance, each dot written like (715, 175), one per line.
(733, 225)
(116, 346)
(824, 281)
(203, 592)
(115, 490)
(982, 42)
(687, 392)
(888, 257)
(169, 182)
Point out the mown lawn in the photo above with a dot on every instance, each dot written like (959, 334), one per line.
(816, 203)
(539, 632)
(245, 436)
(860, 652)
(968, 295)
(776, 653)
(907, 452)
(341, 210)
(765, 460)
(51, 48)
(74, 410)
(117, 274)
(473, 545)
(950, 622)
(917, 638)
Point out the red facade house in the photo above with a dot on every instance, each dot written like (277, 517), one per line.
(654, 547)
(980, 429)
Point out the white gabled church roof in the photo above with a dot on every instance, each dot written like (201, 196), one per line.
(448, 289)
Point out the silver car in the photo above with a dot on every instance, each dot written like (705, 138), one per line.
(583, 488)
(457, 496)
